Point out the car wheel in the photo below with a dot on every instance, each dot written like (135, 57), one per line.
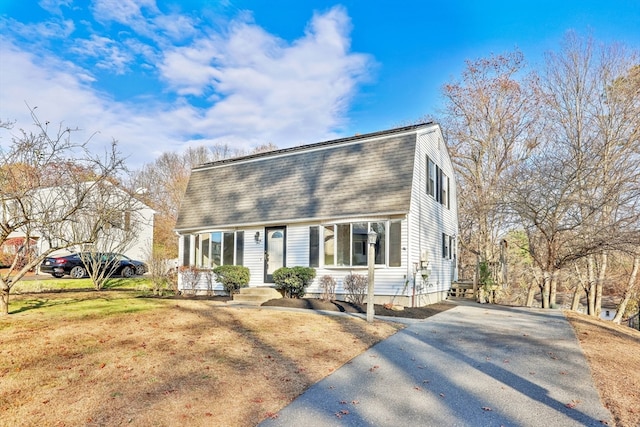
(57, 275)
(77, 272)
(127, 271)
(140, 270)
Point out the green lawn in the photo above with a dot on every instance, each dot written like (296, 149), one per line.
(77, 297)
(83, 304)
(47, 284)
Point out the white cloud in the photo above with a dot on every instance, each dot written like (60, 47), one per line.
(54, 6)
(62, 95)
(283, 92)
(241, 86)
(108, 53)
(39, 32)
(188, 70)
(176, 27)
(128, 12)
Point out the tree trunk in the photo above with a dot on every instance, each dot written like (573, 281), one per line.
(575, 301)
(591, 278)
(581, 286)
(546, 289)
(4, 298)
(600, 284)
(627, 293)
(503, 264)
(553, 292)
(530, 294)
(476, 291)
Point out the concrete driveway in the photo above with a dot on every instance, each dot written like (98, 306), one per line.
(474, 365)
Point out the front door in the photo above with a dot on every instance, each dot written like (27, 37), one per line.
(275, 251)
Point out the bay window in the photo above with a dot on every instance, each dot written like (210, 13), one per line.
(346, 245)
(216, 248)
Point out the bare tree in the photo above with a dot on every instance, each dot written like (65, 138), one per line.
(629, 291)
(542, 195)
(45, 183)
(116, 221)
(491, 125)
(162, 184)
(592, 108)
(264, 148)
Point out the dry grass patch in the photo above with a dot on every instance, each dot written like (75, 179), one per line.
(171, 363)
(613, 352)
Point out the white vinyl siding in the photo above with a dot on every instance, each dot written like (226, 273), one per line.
(433, 216)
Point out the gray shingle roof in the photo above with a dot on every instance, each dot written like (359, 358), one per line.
(363, 175)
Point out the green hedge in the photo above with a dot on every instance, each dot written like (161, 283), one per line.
(232, 277)
(293, 280)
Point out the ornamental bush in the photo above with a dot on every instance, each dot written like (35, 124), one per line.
(355, 285)
(190, 279)
(328, 286)
(232, 277)
(293, 280)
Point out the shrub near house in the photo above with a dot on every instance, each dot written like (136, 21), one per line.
(232, 277)
(293, 281)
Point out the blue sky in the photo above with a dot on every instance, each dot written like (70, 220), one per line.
(159, 75)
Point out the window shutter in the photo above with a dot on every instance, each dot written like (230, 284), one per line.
(445, 246)
(438, 194)
(239, 247)
(314, 246)
(395, 244)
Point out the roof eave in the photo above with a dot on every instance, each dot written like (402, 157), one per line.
(338, 218)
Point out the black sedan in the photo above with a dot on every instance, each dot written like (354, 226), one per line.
(77, 264)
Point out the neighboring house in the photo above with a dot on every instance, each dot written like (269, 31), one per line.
(314, 205)
(10, 248)
(126, 217)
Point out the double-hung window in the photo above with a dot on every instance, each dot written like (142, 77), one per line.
(431, 177)
(444, 190)
(447, 246)
(437, 183)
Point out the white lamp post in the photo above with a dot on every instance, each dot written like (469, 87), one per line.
(371, 261)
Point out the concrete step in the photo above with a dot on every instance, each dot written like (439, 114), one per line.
(255, 296)
(263, 290)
